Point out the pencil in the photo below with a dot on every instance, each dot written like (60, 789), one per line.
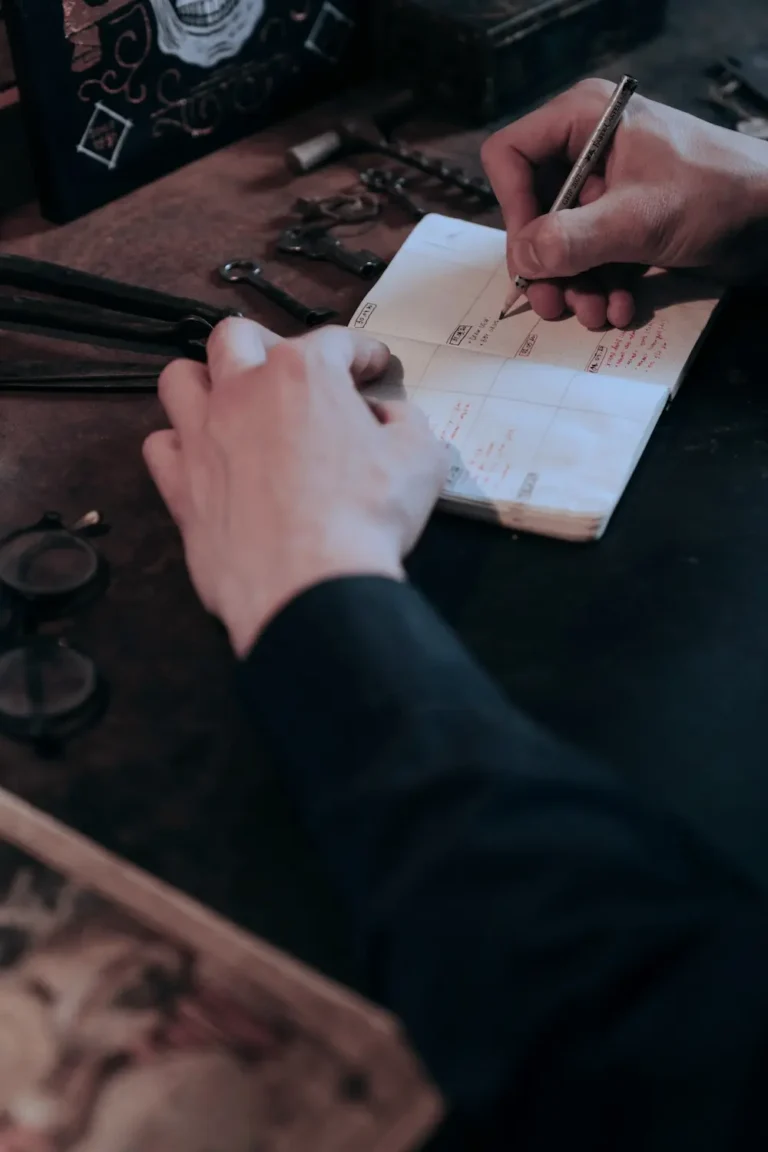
(593, 151)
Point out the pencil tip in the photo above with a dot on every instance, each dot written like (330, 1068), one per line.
(503, 314)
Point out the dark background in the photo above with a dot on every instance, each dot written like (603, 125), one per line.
(649, 648)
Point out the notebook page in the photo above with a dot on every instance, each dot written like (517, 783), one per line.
(526, 439)
(448, 284)
(544, 422)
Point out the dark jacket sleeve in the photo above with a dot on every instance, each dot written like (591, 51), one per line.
(576, 971)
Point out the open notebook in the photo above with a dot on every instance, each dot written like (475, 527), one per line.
(545, 421)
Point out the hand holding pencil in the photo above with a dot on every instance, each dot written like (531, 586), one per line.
(670, 190)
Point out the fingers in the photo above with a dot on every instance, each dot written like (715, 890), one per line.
(405, 422)
(587, 300)
(183, 390)
(236, 347)
(162, 455)
(547, 298)
(418, 449)
(558, 129)
(619, 283)
(354, 353)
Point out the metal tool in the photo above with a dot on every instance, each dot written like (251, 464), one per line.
(359, 137)
(103, 310)
(730, 94)
(316, 243)
(248, 272)
(78, 375)
(340, 209)
(380, 118)
(392, 185)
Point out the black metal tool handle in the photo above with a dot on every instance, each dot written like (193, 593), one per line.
(84, 288)
(248, 272)
(361, 262)
(186, 336)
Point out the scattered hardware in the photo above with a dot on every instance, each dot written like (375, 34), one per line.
(340, 209)
(358, 137)
(248, 272)
(392, 185)
(316, 243)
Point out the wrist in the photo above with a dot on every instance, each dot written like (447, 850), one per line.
(247, 615)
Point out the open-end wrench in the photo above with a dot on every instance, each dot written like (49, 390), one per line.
(249, 272)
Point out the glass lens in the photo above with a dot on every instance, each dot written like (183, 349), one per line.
(47, 563)
(44, 682)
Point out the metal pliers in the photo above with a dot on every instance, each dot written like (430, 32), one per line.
(102, 310)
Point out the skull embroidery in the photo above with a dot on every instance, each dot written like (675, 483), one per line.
(204, 32)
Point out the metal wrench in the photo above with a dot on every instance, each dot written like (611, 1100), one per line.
(249, 272)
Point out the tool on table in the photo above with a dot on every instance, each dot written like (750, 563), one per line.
(358, 137)
(49, 690)
(80, 375)
(248, 272)
(379, 119)
(392, 185)
(591, 154)
(316, 243)
(342, 208)
(105, 310)
(748, 117)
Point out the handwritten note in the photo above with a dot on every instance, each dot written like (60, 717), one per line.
(544, 421)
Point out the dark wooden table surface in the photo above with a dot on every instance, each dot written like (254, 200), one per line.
(650, 648)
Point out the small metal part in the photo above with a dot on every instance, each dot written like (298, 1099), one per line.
(340, 209)
(756, 126)
(729, 93)
(392, 185)
(91, 519)
(316, 243)
(248, 272)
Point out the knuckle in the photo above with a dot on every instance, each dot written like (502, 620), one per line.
(553, 244)
(290, 356)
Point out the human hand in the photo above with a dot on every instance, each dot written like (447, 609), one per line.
(674, 192)
(280, 475)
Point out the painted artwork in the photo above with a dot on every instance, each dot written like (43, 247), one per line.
(121, 91)
(118, 1035)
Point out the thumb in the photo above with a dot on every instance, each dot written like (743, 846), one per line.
(609, 231)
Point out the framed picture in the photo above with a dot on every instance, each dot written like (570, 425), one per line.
(134, 1020)
(117, 92)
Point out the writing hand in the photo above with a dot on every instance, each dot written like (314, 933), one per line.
(280, 475)
(674, 192)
